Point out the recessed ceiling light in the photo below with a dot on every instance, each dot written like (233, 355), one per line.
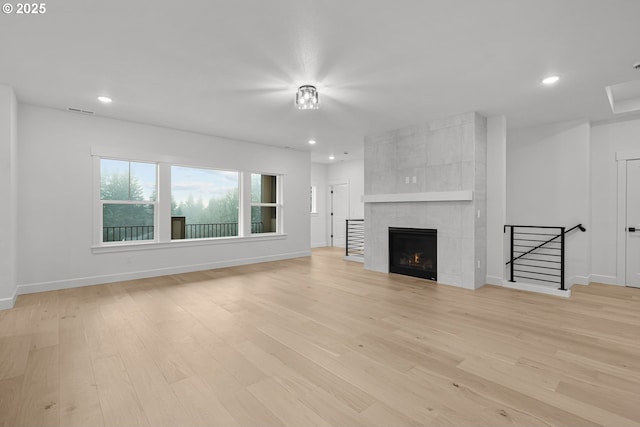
(105, 99)
(311, 141)
(550, 80)
(332, 157)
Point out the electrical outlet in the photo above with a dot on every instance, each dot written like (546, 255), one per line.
(478, 214)
(406, 179)
(415, 179)
(478, 264)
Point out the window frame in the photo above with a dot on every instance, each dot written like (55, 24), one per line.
(278, 203)
(211, 168)
(99, 232)
(314, 200)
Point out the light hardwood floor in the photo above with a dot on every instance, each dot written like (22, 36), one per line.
(318, 341)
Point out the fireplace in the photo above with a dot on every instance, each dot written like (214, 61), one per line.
(414, 252)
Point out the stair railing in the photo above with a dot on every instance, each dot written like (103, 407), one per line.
(534, 255)
(355, 237)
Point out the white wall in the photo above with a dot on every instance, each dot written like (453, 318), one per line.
(352, 172)
(56, 199)
(8, 195)
(606, 140)
(319, 219)
(324, 175)
(496, 197)
(548, 184)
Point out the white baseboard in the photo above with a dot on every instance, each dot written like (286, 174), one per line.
(606, 280)
(530, 287)
(494, 280)
(7, 303)
(319, 245)
(354, 258)
(119, 277)
(577, 280)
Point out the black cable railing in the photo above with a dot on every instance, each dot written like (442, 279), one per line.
(355, 237)
(538, 253)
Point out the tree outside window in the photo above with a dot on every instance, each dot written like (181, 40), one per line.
(207, 199)
(128, 196)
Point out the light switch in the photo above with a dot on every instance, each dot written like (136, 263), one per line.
(406, 179)
(415, 179)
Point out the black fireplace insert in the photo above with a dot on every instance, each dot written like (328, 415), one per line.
(414, 252)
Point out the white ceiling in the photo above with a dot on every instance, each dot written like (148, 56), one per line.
(231, 67)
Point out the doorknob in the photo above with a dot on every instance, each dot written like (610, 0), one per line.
(631, 229)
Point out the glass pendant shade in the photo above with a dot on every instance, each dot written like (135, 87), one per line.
(307, 98)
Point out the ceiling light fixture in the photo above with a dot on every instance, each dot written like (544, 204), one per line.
(312, 142)
(550, 80)
(307, 98)
(332, 157)
(105, 99)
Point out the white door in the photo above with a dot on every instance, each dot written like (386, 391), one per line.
(339, 214)
(633, 223)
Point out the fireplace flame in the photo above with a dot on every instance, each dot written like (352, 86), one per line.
(416, 259)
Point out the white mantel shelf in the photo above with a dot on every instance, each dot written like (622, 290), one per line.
(434, 196)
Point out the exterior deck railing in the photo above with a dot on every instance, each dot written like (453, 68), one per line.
(192, 231)
(127, 232)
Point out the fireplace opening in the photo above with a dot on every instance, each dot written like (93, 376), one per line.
(414, 252)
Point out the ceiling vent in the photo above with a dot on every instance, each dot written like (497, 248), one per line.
(624, 97)
(77, 110)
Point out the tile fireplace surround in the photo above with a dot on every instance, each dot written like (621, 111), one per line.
(430, 176)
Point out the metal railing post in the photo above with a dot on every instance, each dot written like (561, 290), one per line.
(562, 259)
(346, 238)
(511, 258)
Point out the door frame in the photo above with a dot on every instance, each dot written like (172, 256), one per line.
(330, 204)
(621, 222)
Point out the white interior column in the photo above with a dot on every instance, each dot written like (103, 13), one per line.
(496, 197)
(9, 196)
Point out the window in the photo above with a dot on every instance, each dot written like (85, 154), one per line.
(264, 204)
(207, 199)
(128, 200)
(312, 195)
(140, 201)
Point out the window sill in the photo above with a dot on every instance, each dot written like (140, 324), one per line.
(147, 246)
